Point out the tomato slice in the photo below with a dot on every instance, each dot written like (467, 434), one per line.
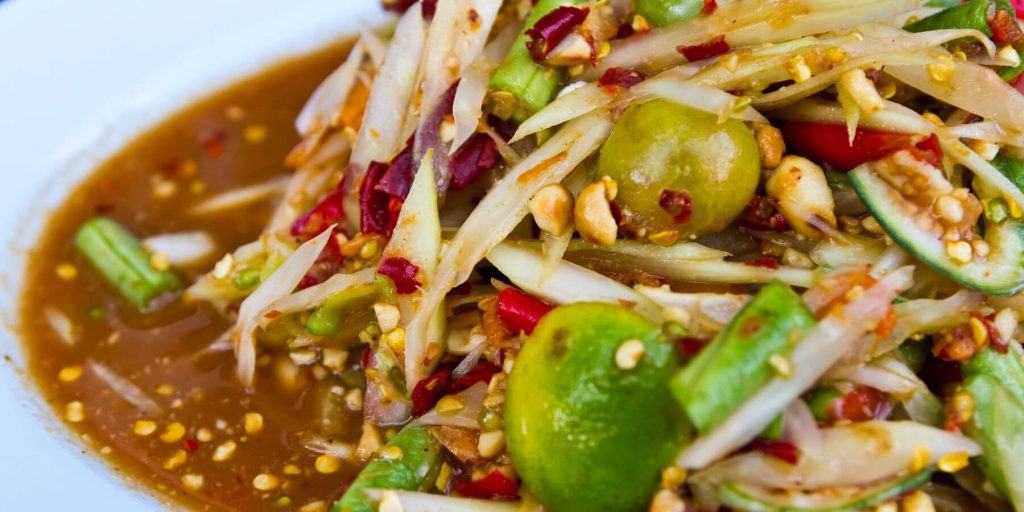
(830, 143)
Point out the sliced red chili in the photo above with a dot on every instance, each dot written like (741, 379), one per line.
(482, 372)
(329, 262)
(397, 181)
(710, 6)
(326, 212)
(781, 450)
(191, 445)
(478, 155)
(830, 143)
(494, 485)
(374, 215)
(429, 390)
(712, 48)
(620, 77)
(520, 312)
(554, 27)
(402, 272)
(762, 214)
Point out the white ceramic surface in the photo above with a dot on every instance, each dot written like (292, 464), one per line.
(77, 79)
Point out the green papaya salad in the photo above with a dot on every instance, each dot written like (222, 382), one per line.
(654, 255)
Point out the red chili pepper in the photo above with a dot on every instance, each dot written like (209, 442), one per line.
(429, 390)
(482, 372)
(762, 215)
(329, 262)
(191, 445)
(712, 48)
(402, 272)
(863, 403)
(620, 77)
(781, 450)
(994, 338)
(709, 7)
(478, 155)
(766, 262)
(1005, 29)
(830, 143)
(676, 203)
(494, 485)
(550, 30)
(374, 216)
(690, 347)
(520, 312)
(397, 181)
(326, 212)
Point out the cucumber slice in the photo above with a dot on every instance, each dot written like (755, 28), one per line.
(1001, 273)
(756, 499)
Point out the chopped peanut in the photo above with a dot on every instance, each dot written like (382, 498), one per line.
(253, 423)
(629, 354)
(552, 208)
(593, 215)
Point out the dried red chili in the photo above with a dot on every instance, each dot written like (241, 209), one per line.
(429, 390)
(620, 77)
(478, 155)
(762, 214)
(402, 272)
(676, 203)
(551, 29)
(326, 212)
(712, 48)
(482, 372)
(520, 312)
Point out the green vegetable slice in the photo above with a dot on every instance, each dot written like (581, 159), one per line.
(530, 84)
(971, 15)
(996, 383)
(754, 499)
(339, 311)
(736, 363)
(1001, 273)
(122, 260)
(666, 12)
(415, 470)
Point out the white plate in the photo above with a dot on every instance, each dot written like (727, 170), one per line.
(77, 80)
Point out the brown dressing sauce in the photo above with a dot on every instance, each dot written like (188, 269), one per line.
(236, 137)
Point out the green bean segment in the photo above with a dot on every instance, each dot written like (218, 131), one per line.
(736, 363)
(666, 12)
(122, 260)
(521, 86)
(413, 470)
